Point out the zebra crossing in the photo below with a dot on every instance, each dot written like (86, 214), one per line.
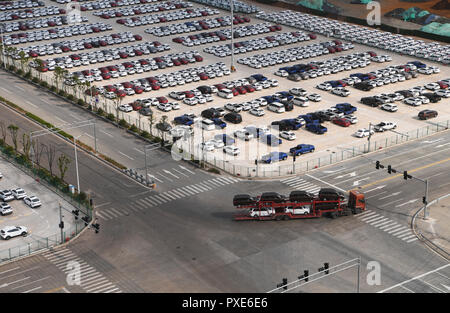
(91, 280)
(387, 225)
(301, 184)
(165, 197)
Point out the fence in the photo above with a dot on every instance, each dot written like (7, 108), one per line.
(275, 170)
(37, 244)
(46, 242)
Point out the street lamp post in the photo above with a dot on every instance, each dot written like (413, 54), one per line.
(232, 36)
(76, 162)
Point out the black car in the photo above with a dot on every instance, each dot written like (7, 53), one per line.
(272, 196)
(205, 90)
(317, 116)
(232, 117)
(426, 114)
(405, 93)
(330, 194)
(243, 199)
(146, 111)
(363, 86)
(372, 101)
(282, 125)
(300, 196)
(288, 106)
(210, 113)
(432, 97)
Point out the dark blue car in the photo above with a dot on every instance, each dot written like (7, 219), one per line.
(183, 120)
(293, 122)
(274, 157)
(227, 140)
(418, 64)
(271, 140)
(345, 108)
(316, 128)
(219, 123)
(301, 149)
(259, 77)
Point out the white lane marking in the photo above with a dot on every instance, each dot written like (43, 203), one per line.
(31, 282)
(12, 269)
(352, 174)
(187, 170)
(83, 281)
(71, 258)
(167, 194)
(192, 189)
(432, 286)
(100, 215)
(440, 274)
(6, 90)
(27, 270)
(395, 234)
(409, 237)
(410, 201)
(291, 179)
(34, 289)
(174, 169)
(65, 290)
(164, 176)
(75, 116)
(364, 213)
(109, 291)
(164, 197)
(61, 120)
(391, 224)
(184, 193)
(7, 284)
(370, 217)
(100, 205)
(405, 235)
(356, 182)
(170, 173)
(407, 289)
(99, 287)
(380, 222)
(367, 214)
(396, 230)
(414, 278)
(90, 136)
(414, 239)
(95, 283)
(391, 195)
(20, 88)
(445, 144)
(153, 177)
(378, 194)
(125, 155)
(140, 151)
(158, 201)
(116, 211)
(324, 182)
(83, 266)
(389, 203)
(177, 193)
(108, 134)
(32, 104)
(371, 220)
(376, 188)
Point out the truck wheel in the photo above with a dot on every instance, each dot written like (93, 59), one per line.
(278, 218)
(24, 234)
(333, 215)
(286, 217)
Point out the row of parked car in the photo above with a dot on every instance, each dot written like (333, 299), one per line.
(196, 25)
(15, 5)
(53, 33)
(30, 13)
(238, 6)
(173, 79)
(364, 35)
(139, 66)
(50, 21)
(8, 195)
(331, 66)
(225, 34)
(89, 5)
(76, 45)
(139, 9)
(291, 55)
(257, 44)
(105, 55)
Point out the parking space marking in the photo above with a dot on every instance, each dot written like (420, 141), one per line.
(6, 90)
(11, 269)
(30, 103)
(31, 290)
(108, 134)
(125, 155)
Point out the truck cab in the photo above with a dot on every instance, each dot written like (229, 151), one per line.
(356, 201)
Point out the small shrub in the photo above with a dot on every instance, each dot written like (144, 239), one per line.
(123, 123)
(43, 83)
(27, 74)
(70, 97)
(111, 117)
(80, 102)
(35, 80)
(133, 128)
(53, 88)
(214, 170)
(12, 68)
(20, 71)
(145, 134)
(100, 111)
(62, 93)
(9, 150)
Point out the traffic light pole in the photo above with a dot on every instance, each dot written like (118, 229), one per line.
(61, 225)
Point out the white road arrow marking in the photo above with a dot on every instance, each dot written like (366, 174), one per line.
(352, 174)
(182, 167)
(356, 182)
(335, 171)
(376, 188)
(445, 144)
(391, 195)
(432, 141)
(168, 172)
(7, 284)
(410, 201)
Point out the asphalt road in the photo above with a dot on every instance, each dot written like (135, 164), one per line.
(152, 242)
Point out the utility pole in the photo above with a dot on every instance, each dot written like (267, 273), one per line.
(76, 162)
(61, 223)
(370, 135)
(232, 68)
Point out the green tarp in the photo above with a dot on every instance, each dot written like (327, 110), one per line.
(312, 4)
(437, 28)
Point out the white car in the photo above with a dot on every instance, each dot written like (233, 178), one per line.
(18, 193)
(175, 106)
(207, 146)
(243, 134)
(6, 195)
(165, 107)
(32, 202)
(324, 86)
(391, 107)
(288, 135)
(190, 101)
(9, 232)
(125, 108)
(257, 112)
(443, 93)
(282, 73)
(432, 86)
(340, 91)
(177, 95)
(363, 132)
(351, 118)
(424, 99)
(300, 101)
(5, 209)
(314, 97)
(381, 127)
(217, 143)
(231, 150)
(413, 101)
(297, 91)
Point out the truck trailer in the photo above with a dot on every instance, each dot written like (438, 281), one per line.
(257, 208)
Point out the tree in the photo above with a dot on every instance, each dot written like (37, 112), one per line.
(3, 132)
(38, 149)
(13, 129)
(57, 74)
(117, 103)
(39, 67)
(26, 144)
(51, 153)
(163, 126)
(24, 58)
(151, 120)
(63, 165)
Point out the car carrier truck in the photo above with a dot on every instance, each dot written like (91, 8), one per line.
(299, 204)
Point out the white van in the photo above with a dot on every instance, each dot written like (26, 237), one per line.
(207, 124)
(225, 93)
(276, 107)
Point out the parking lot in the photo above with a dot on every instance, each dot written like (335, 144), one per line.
(335, 140)
(41, 222)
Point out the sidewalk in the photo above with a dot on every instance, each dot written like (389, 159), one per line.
(436, 228)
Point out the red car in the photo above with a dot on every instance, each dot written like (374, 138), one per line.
(155, 86)
(341, 122)
(103, 70)
(198, 58)
(203, 76)
(442, 85)
(112, 68)
(121, 93)
(312, 36)
(220, 86)
(136, 106)
(372, 54)
(87, 45)
(183, 61)
(123, 55)
(65, 49)
(138, 37)
(176, 62)
(177, 40)
(249, 88)
(241, 90)
(33, 54)
(110, 88)
(235, 92)
(86, 73)
(95, 29)
(127, 85)
(102, 43)
(138, 90)
(162, 100)
(106, 75)
(143, 62)
(189, 94)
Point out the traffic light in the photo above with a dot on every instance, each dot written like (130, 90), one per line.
(306, 274)
(61, 225)
(86, 220)
(256, 162)
(326, 266)
(91, 202)
(377, 165)
(389, 169)
(96, 227)
(285, 283)
(294, 158)
(424, 200)
(76, 213)
(405, 175)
